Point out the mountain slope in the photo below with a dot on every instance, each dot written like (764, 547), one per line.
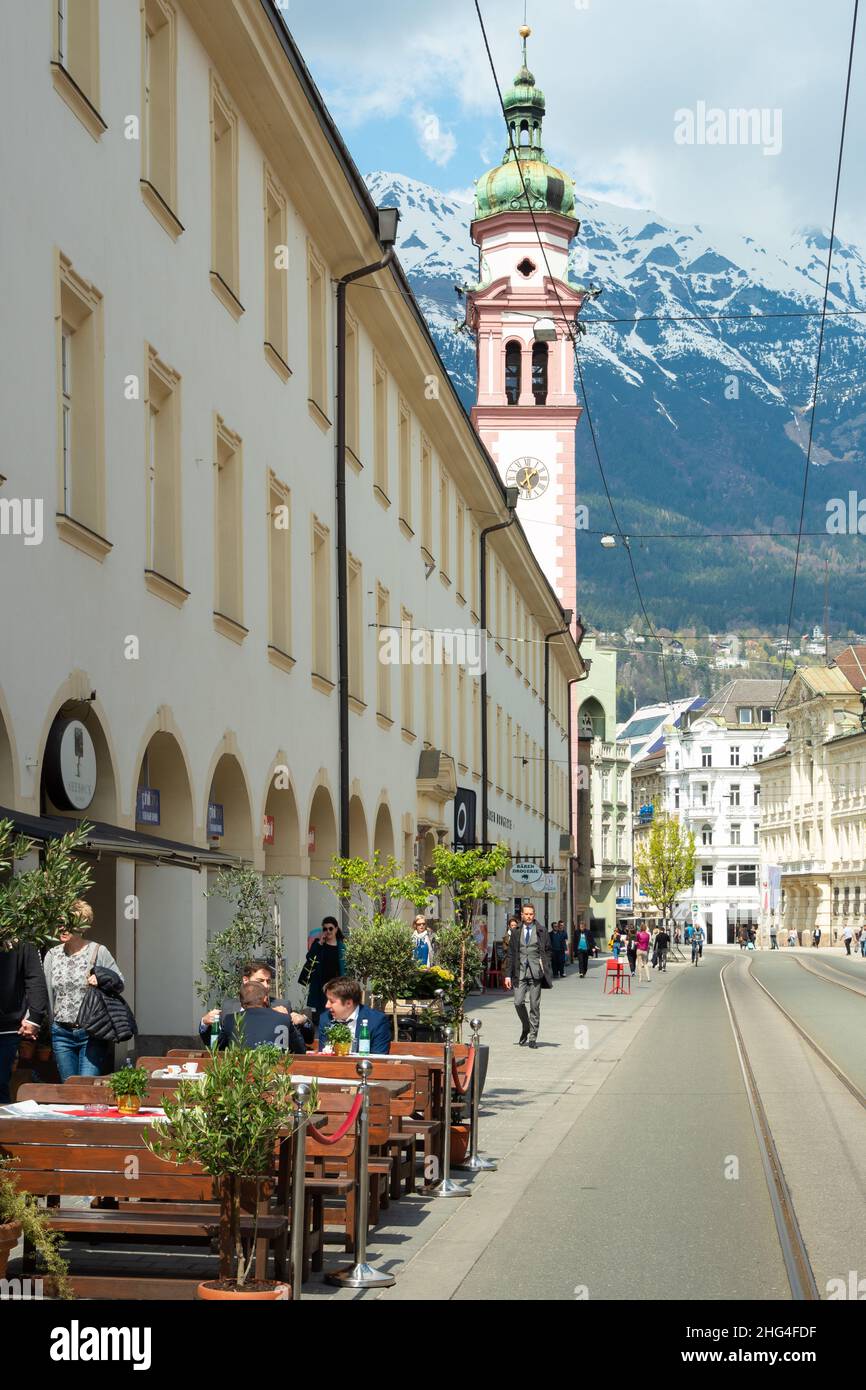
(705, 420)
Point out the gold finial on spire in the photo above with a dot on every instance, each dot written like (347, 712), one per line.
(524, 32)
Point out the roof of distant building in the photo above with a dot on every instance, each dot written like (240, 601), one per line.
(743, 694)
(852, 664)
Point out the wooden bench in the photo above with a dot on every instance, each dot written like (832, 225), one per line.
(158, 1200)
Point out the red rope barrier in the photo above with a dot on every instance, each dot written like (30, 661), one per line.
(463, 1085)
(343, 1128)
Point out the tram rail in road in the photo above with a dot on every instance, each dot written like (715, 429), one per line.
(794, 1254)
(828, 965)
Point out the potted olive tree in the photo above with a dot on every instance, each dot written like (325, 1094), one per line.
(129, 1086)
(36, 902)
(20, 1215)
(230, 1124)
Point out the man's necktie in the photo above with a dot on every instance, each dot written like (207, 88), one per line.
(526, 934)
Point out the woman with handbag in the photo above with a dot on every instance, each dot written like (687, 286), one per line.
(72, 969)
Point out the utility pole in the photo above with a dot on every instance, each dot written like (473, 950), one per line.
(827, 611)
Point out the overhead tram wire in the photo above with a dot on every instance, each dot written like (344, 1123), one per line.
(814, 408)
(570, 329)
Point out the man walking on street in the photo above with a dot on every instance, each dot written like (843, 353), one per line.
(847, 934)
(529, 971)
(663, 941)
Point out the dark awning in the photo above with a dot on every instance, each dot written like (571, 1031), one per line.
(112, 839)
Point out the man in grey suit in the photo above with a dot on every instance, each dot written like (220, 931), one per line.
(529, 971)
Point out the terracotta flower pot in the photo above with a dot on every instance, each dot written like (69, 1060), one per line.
(459, 1143)
(214, 1289)
(10, 1234)
(129, 1105)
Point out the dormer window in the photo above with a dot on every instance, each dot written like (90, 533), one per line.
(526, 267)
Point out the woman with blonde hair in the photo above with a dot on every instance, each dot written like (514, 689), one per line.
(72, 968)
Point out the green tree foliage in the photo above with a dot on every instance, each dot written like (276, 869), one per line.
(665, 864)
(253, 931)
(383, 954)
(36, 903)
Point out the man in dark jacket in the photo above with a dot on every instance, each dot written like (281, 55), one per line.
(343, 998)
(23, 1006)
(256, 972)
(258, 1024)
(529, 971)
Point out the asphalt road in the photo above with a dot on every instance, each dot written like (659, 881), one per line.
(637, 1202)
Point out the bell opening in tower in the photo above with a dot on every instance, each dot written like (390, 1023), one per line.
(539, 373)
(513, 357)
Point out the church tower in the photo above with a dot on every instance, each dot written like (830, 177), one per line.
(526, 408)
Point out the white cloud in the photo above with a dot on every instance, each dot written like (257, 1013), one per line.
(436, 144)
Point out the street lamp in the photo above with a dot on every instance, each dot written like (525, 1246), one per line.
(512, 495)
(386, 227)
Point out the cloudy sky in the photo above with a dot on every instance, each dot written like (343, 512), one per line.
(409, 85)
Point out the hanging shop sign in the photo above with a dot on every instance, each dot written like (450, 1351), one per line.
(268, 830)
(311, 840)
(147, 806)
(524, 871)
(215, 820)
(464, 818)
(70, 765)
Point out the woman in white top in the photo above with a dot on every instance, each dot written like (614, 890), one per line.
(69, 974)
(422, 941)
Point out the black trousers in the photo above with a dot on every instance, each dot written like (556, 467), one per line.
(558, 961)
(583, 962)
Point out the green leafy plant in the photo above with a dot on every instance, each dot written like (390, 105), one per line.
(375, 890)
(254, 930)
(36, 903)
(230, 1124)
(21, 1207)
(468, 876)
(665, 863)
(129, 1081)
(383, 955)
(340, 1033)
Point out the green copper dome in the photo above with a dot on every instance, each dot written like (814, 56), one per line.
(547, 189)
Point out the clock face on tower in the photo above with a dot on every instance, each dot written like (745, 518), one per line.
(529, 476)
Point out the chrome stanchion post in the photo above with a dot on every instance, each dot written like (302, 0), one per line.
(448, 1187)
(299, 1205)
(476, 1163)
(361, 1275)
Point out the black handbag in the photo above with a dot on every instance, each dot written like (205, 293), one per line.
(104, 1012)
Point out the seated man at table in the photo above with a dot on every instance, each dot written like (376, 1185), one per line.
(343, 999)
(259, 1024)
(256, 972)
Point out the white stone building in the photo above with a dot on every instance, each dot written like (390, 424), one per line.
(183, 205)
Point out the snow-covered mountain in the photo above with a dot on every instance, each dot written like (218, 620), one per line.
(702, 424)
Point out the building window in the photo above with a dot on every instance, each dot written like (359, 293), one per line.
(513, 360)
(279, 570)
(75, 68)
(706, 835)
(383, 669)
(224, 200)
(474, 567)
(228, 609)
(276, 278)
(676, 798)
(321, 600)
(461, 550)
(353, 426)
(703, 794)
(427, 499)
(756, 797)
(742, 875)
(356, 629)
(766, 716)
(380, 430)
(407, 680)
(405, 448)
(80, 415)
(509, 757)
(706, 875)
(317, 334)
(476, 728)
(735, 755)
(745, 716)
(835, 902)
(539, 373)
(163, 494)
(735, 834)
(706, 757)
(605, 843)
(462, 754)
(735, 793)
(158, 134)
(605, 786)
(444, 525)
(759, 752)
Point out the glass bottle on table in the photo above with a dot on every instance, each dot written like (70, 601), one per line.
(364, 1038)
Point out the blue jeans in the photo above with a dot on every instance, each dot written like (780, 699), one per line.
(8, 1052)
(77, 1054)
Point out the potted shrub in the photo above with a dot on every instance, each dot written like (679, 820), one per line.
(340, 1038)
(19, 1214)
(129, 1086)
(230, 1124)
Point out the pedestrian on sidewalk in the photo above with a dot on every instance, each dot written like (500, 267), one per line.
(816, 937)
(70, 970)
(529, 972)
(642, 945)
(584, 946)
(792, 937)
(863, 944)
(558, 944)
(631, 950)
(774, 945)
(663, 941)
(847, 934)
